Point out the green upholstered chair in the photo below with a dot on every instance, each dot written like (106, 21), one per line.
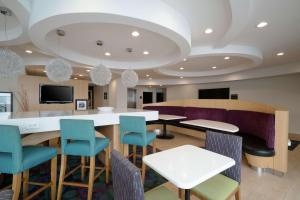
(127, 183)
(15, 160)
(133, 131)
(78, 139)
(222, 186)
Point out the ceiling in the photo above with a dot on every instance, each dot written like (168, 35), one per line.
(171, 31)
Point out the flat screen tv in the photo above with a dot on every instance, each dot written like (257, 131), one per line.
(218, 93)
(56, 94)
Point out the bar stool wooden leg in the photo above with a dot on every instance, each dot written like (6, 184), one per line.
(143, 164)
(25, 183)
(153, 146)
(134, 154)
(16, 185)
(91, 177)
(82, 167)
(107, 153)
(61, 176)
(53, 177)
(237, 194)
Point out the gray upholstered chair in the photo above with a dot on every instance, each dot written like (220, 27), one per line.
(222, 186)
(127, 184)
(6, 195)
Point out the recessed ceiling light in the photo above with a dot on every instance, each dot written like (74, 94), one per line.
(45, 71)
(262, 24)
(75, 78)
(146, 52)
(88, 70)
(208, 31)
(147, 75)
(214, 67)
(107, 54)
(184, 59)
(80, 75)
(181, 68)
(135, 34)
(28, 51)
(280, 54)
(160, 85)
(181, 77)
(150, 78)
(227, 58)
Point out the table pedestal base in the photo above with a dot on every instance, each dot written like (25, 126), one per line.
(165, 136)
(187, 194)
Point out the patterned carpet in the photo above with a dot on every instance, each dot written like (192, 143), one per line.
(101, 190)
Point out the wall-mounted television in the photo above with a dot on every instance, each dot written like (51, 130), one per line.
(56, 94)
(218, 93)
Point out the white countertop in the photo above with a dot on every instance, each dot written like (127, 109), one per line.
(212, 125)
(171, 117)
(43, 121)
(187, 166)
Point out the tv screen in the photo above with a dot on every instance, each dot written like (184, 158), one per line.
(218, 93)
(56, 94)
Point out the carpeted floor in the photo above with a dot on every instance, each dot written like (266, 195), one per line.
(101, 191)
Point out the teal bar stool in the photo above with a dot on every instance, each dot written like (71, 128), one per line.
(78, 139)
(133, 131)
(15, 160)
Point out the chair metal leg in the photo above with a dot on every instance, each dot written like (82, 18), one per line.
(107, 153)
(82, 167)
(91, 178)
(16, 185)
(134, 154)
(53, 177)
(25, 183)
(61, 176)
(144, 165)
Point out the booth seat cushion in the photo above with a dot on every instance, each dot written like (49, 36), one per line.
(205, 113)
(261, 125)
(256, 146)
(167, 110)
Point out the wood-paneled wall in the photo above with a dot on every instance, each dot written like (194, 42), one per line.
(31, 84)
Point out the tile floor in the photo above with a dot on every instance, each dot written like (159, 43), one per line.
(254, 187)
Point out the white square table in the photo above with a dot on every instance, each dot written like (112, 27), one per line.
(187, 166)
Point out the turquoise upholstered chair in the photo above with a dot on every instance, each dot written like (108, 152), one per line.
(78, 139)
(133, 131)
(15, 160)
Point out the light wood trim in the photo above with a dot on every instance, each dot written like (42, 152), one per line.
(107, 163)
(75, 184)
(91, 177)
(16, 185)
(294, 136)
(260, 162)
(38, 191)
(38, 138)
(281, 141)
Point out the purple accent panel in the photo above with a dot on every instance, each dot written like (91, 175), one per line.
(205, 113)
(167, 110)
(259, 124)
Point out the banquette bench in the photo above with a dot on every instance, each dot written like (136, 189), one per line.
(264, 129)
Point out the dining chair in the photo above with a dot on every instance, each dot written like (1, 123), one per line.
(133, 131)
(17, 160)
(78, 139)
(127, 183)
(225, 185)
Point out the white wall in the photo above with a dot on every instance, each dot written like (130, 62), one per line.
(278, 91)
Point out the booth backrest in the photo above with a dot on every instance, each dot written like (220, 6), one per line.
(167, 110)
(205, 113)
(259, 124)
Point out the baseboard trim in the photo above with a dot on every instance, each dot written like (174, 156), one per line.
(294, 136)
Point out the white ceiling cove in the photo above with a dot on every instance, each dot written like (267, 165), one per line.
(171, 31)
